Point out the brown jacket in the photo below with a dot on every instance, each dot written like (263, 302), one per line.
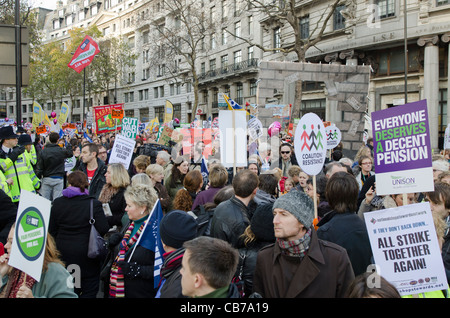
(324, 272)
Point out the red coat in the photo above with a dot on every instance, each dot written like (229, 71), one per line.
(324, 272)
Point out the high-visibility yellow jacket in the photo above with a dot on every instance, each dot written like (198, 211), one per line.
(3, 185)
(22, 174)
(31, 156)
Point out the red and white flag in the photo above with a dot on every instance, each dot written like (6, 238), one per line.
(84, 54)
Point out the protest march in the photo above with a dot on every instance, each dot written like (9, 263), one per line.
(113, 207)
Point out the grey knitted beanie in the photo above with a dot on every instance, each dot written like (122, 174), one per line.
(299, 204)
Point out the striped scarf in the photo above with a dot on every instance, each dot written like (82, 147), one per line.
(172, 261)
(297, 248)
(116, 285)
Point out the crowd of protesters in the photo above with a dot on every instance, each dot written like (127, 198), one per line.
(249, 234)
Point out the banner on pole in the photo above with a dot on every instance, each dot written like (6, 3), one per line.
(84, 54)
(103, 118)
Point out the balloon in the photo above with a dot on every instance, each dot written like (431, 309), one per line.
(53, 114)
(177, 120)
(274, 129)
(6, 119)
(55, 121)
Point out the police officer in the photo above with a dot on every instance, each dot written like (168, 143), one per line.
(17, 169)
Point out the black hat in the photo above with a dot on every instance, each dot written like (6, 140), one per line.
(7, 132)
(21, 130)
(25, 139)
(262, 223)
(177, 227)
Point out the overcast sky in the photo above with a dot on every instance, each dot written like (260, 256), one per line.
(48, 4)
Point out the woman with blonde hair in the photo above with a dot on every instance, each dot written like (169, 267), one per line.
(133, 278)
(112, 194)
(156, 175)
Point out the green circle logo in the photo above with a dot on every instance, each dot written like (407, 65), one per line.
(30, 233)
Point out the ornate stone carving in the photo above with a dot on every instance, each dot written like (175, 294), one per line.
(428, 40)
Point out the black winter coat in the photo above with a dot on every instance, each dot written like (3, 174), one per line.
(51, 159)
(99, 180)
(230, 220)
(247, 264)
(69, 225)
(8, 213)
(350, 232)
(135, 287)
(117, 205)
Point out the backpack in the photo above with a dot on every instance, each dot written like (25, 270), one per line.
(203, 219)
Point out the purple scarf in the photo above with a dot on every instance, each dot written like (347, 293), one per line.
(71, 192)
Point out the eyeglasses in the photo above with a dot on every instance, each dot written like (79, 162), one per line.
(366, 163)
(285, 152)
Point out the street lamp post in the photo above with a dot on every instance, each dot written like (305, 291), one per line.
(18, 36)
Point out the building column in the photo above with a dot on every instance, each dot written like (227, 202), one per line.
(431, 85)
(446, 39)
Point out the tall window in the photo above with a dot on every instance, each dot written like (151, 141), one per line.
(237, 29)
(224, 36)
(250, 53)
(237, 57)
(277, 38)
(442, 116)
(239, 93)
(159, 113)
(339, 20)
(304, 27)
(253, 87)
(386, 8)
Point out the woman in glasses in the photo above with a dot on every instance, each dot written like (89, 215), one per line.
(365, 164)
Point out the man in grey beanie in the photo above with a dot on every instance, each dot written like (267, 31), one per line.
(298, 264)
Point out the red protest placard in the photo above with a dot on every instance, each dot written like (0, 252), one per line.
(84, 54)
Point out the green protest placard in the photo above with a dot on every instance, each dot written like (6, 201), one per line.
(30, 235)
(129, 127)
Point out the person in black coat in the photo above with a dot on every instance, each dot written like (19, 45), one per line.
(176, 227)
(258, 234)
(342, 225)
(93, 167)
(69, 225)
(8, 213)
(112, 194)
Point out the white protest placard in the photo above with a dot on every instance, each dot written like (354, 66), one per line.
(405, 248)
(69, 163)
(233, 140)
(310, 144)
(30, 234)
(334, 136)
(122, 151)
(130, 127)
(255, 128)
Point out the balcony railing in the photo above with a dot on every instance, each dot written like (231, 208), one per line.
(229, 69)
